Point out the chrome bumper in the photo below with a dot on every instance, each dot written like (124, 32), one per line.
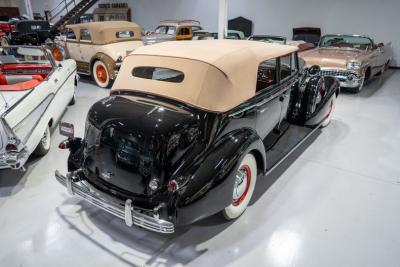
(125, 211)
(347, 79)
(350, 83)
(13, 160)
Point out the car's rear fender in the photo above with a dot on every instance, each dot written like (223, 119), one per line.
(209, 185)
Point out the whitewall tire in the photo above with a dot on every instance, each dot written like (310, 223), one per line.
(243, 190)
(332, 106)
(44, 144)
(100, 74)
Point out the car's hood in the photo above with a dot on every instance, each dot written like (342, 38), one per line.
(157, 38)
(9, 99)
(331, 57)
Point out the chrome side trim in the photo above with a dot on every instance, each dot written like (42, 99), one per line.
(125, 211)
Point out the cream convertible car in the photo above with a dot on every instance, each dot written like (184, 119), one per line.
(34, 92)
(99, 47)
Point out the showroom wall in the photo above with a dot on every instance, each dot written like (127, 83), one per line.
(379, 19)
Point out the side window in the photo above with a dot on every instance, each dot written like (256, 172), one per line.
(85, 35)
(70, 34)
(266, 76)
(124, 34)
(287, 66)
(184, 31)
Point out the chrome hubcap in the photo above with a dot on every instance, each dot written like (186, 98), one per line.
(242, 183)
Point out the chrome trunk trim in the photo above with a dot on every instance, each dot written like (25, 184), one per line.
(125, 211)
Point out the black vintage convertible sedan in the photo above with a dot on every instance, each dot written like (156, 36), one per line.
(189, 126)
(29, 32)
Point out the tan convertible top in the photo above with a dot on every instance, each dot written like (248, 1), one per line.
(219, 74)
(105, 32)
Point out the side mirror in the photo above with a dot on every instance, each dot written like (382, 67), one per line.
(59, 65)
(380, 45)
(314, 70)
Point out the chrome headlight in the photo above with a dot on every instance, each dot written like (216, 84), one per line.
(353, 65)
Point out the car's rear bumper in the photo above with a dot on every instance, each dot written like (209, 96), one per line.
(13, 160)
(124, 210)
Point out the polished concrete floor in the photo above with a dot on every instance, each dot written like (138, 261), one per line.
(336, 204)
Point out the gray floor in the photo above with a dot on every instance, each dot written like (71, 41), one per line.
(337, 204)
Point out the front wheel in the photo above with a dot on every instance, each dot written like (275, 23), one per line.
(44, 145)
(332, 105)
(100, 74)
(359, 88)
(245, 181)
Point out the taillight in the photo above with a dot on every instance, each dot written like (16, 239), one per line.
(11, 147)
(64, 145)
(173, 186)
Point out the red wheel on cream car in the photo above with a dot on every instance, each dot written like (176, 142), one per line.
(245, 182)
(100, 74)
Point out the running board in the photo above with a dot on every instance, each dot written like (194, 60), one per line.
(294, 137)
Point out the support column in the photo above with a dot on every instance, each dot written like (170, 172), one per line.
(222, 19)
(25, 8)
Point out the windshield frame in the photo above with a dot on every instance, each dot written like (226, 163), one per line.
(370, 46)
(46, 52)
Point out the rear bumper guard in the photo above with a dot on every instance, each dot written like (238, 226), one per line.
(125, 211)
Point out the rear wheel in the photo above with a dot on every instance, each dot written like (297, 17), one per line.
(245, 182)
(44, 145)
(387, 65)
(72, 102)
(359, 88)
(100, 74)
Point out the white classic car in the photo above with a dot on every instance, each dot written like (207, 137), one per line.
(34, 93)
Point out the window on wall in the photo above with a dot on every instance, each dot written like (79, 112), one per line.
(85, 35)
(266, 76)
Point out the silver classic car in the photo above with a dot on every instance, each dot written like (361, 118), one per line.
(173, 30)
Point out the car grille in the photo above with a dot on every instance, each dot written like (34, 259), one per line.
(336, 73)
